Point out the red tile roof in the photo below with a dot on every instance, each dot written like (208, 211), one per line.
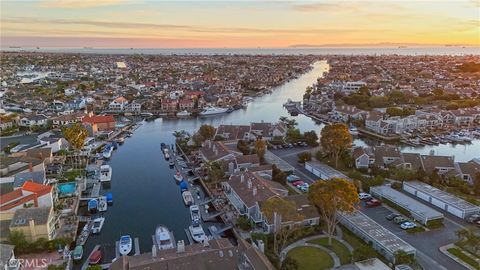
(95, 119)
(39, 189)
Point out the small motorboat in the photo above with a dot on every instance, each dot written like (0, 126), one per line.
(97, 225)
(178, 177)
(105, 173)
(109, 198)
(95, 257)
(102, 204)
(171, 164)
(92, 206)
(353, 131)
(120, 140)
(107, 153)
(183, 186)
(197, 232)
(183, 114)
(77, 253)
(187, 198)
(195, 213)
(125, 245)
(164, 238)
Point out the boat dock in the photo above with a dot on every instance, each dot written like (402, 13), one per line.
(85, 233)
(189, 237)
(85, 264)
(136, 246)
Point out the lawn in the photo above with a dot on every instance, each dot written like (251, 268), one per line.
(462, 256)
(353, 240)
(340, 249)
(310, 258)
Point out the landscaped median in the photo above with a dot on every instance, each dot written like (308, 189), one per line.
(311, 258)
(338, 248)
(466, 259)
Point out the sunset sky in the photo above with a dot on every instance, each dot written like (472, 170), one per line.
(235, 24)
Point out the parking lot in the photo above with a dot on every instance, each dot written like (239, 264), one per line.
(427, 243)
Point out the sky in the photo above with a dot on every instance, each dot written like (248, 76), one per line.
(237, 24)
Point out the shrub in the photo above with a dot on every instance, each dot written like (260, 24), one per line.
(304, 156)
(244, 223)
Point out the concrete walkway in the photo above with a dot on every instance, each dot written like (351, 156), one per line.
(304, 243)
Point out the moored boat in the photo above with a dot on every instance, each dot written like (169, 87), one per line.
(183, 114)
(105, 173)
(109, 198)
(210, 110)
(77, 253)
(197, 232)
(164, 238)
(107, 152)
(195, 213)
(92, 206)
(102, 204)
(178, 177)
(98, 225)
(95, 257)
(125, 245)
(353, 131)
(187, 197)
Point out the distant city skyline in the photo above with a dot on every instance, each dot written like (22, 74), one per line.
(238, 24)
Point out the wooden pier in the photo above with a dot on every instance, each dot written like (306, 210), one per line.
(136, 246)
(189, 237)
(85, 264)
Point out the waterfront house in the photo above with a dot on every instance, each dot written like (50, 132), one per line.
(33, 120)
(307, 211)
(346, 113)
(34, 223)
(169, 105)
(267, 131)
(29, 195)
(133, 107)
(9, 166)
(233, 132)
(411, 161)
(386, 155)
(96, 123)
(215, 151)
(439, 164)
(247, 161)
(467, 171)
(373, 121)
(118, 104)
(362, 158)
(246, 190)
(63, 120)
(462, 117)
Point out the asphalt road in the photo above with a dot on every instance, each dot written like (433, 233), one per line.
(426, 243)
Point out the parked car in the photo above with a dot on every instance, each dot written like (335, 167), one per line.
(407, 225)
(292, 178)
(392, 216)
(373, 203)
(473, 218)
(364, 196)
(298, 183)
(303, 187)
(400, 219)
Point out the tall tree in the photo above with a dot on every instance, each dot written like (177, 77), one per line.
(75, 135)
(335, 139)
(330, 197)
(207, 131)
(287, 211)
(243, 147)
(214, 172)
(311, 138)
(260, 149)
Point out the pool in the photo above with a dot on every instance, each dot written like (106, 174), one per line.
(66, 189)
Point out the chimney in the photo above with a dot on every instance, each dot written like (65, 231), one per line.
(154, 251)
(254, 191)
(249, 183)
(180, 246)
(242, 177)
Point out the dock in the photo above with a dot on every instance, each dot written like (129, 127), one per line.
(189, 237)
(85, 264)
(137, 246)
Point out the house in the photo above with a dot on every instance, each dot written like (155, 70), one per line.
(186, 104)
(346, 113)
(45, 154)
(215, 151)
(169, 105)
(34, 222)
(30, 194)
(386, 155)
(412, 161)
(77, 104)
(305, 209)
(133, 107)
(373, 121)
(267, 131)
(54, 143)
(7, 258)
(467, 171)
(233, 132)
(246, 190)
(69, 91)
(63, 120)
(439, 164)
(118, 104)
(361, 158)
(33, 120)
(176, 94)
(247, 161)
(10, 166)
(462, 117)
(96, 123)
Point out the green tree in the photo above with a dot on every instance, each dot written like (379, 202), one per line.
(333, 196)
(335, 139)
(293, 135)
(278, 176)
(289, 123)
(94, 267)
(289, 263)
(364, 91)
(75, 135)
(214, 172)
(207, 131)
(311, 138)
(304, 156)
(363, 252)
(18, 239)
(401, 257)
(243, 147)
(260, 149)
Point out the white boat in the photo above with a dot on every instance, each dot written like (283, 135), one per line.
(164, 238)
(195, 213)
(210, 110)
(197, 232)
(78, 253)
(120, 140)
(125, 245)
(353, 131)
(183, 114)
(102, 204)
(97, 225)
(187, 197)
(105, 173)
(178, 177)
(107, 153)
(454, 138)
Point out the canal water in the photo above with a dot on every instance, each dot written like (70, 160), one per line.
(144, 191)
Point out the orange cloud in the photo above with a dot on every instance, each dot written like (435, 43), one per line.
(78, 3)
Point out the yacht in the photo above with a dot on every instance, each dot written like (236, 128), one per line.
(98, 225)
(197, 232)
(125, 245)
(183, 114)
(78, 253)
(213, 110)
(353, 131)
(178, 177)
(164, 238)
(102, 204)
(195, 213)
(187, 197)
(105, 173)
(107, 152)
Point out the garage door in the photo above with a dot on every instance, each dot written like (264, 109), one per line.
(408, 189)
(423, 196)
(438, 203)
(457, 212)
